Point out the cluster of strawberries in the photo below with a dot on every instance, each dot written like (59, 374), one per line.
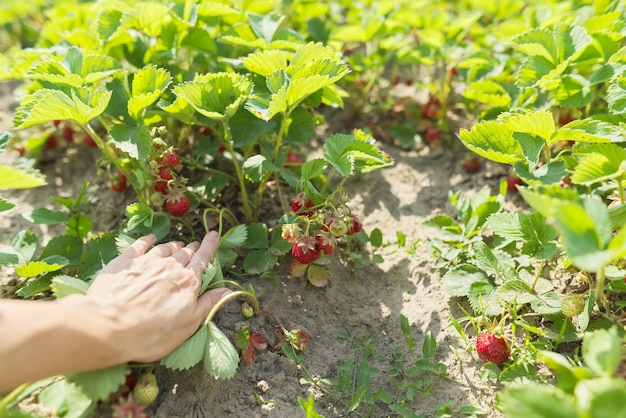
(316, 229)
(169, 185)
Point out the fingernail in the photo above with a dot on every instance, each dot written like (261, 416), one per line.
(213, 233)
(227, 293)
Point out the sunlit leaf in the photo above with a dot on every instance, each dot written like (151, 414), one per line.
(63, 285)
(493, 140)
(15, 178)
(99, 384)
(599, 162)
(189, 353)
(35, 268)
(149, 83)
(220, 357)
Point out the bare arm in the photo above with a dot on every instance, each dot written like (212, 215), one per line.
(141, 306)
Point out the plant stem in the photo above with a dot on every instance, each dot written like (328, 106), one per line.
(266, 176)
(539, 270)
(10, 397)
(222, 302)
(599, 292)
(242, 181)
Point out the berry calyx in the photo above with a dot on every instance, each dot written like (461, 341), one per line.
(178, 206)
(492, 348)
(300, 201)
(305, 250)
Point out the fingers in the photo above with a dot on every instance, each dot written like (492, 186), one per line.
(166, 249)
(209, 299)
(140, 246)
(184, 255)
(205, 253)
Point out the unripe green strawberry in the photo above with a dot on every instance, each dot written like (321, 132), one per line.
(247, 310)
(146, 389)
(572, 305)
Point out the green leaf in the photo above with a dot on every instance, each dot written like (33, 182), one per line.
(429, 348)
(489, 92)
(235, 237)
(134, 140)
(350, 153)
(17, 178)
(257, 236)
(79, 225)
(35, 268)
(257, 166)
(189, 353)
(149, 83)
(301, 126)
(63, 285)
(259, 261)
(45, 105)
(99, 251)
(537, 400)
(588, 130)
(458, 281)
(65, 246)
(215, 95)
(220, 357)
(548, 303)
(601, 351)
(265, 62)
(493, 140)
(67, 400)
(99, 384)
(616, 96)
(246, 128)
(46, 216)
(313, 168)
(539, 123)
(265, 26)
(599, 162)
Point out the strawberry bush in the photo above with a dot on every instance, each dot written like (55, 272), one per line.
(207, 114)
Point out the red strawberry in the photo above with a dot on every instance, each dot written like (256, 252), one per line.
(170, 158)
(161, 187)
(21, 151)
(178, 207)
(471, 165)
(431, 108)
(68, 133)
(57, 123)
(325, 244)
(305, 250)
(89, 141)
(165, 174)
(51, 142)
(566, 181)
(293, 159)
(118, 184)
(565, 119)
(492, 348)
(512, 181)
(301, 201)
(433, 134)
(355, 226)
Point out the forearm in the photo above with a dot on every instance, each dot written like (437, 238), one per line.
(45, 338)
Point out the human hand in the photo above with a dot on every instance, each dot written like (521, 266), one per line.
(152, 295)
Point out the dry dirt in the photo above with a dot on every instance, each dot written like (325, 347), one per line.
(361, 301)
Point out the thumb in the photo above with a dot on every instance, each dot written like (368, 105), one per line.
(209, 299)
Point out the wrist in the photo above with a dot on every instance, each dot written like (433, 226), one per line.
(99, 323)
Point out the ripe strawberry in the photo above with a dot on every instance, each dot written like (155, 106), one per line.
(57, 123)
(433, 134)
(161, 187)
(512, 181)
(355, 226)
(492, 348)
(118, 184)
(300, 201)
(293, 158)
(325, 244)
(305, 250)
(68, 133)
(566, 181)
(565, 119)
(572, 305)
(170, 158)
(51, 142)
(21, 151)
(471, 165)
(431, 108)
(165, 174)
(409, 82)
(89, 141)
(178, 206)
(146, 390)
